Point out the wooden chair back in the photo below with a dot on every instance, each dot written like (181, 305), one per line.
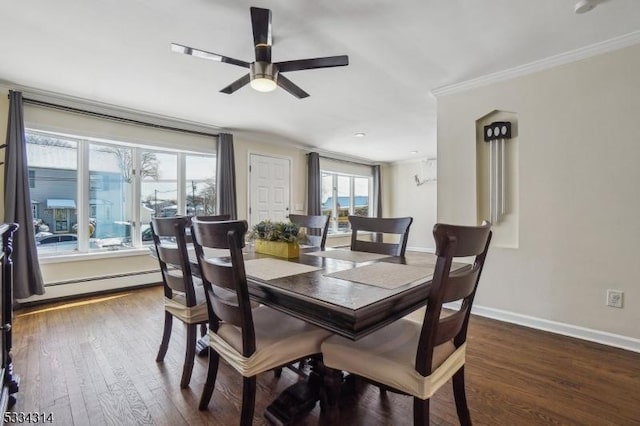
(170, 240)
(452, 242)
(227, 273)
(317, 227)
(214, 218)
(398, 225)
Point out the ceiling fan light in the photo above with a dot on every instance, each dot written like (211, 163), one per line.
(263, 84)
(263, 76)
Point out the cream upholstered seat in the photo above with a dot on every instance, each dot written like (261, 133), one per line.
(279, 340)
(395, 348)
(417, 358)
(183, 294)
(251, 340)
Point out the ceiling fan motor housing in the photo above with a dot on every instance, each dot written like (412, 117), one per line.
(264, 76)
(264, 70)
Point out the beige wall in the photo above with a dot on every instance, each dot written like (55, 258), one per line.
(579, 190)
(405, 198)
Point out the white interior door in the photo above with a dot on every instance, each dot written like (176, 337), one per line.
(268, 188)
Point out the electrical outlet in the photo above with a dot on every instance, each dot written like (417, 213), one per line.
(614, 298)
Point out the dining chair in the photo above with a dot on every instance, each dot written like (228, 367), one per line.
(397, 225)
(183, 294)
(252, 341)
(418, 358)
(317, 227)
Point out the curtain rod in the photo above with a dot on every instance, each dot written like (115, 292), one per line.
(113, 117)
(345, 161)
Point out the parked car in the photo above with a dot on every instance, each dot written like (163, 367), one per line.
(57, 239)
(56, 243)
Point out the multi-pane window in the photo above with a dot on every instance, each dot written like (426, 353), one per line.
(344, 195)
(92, 195)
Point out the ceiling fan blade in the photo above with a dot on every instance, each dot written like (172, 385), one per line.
(242, 81)
(306, 64)
(261, 24)
(288, 85)
(178, 48)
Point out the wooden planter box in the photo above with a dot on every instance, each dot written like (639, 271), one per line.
(278, 248)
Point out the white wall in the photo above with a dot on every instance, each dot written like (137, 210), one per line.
(579, 150)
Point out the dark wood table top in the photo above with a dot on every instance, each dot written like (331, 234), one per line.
(347, 308)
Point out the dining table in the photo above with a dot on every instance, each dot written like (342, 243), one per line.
(351, 294)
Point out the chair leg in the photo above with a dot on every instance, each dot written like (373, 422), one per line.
(210, 383)
(190, 354)
(203, 329)
(166, 335)
(277, 372)
(461, 398)
(420, 412)
(248, 400)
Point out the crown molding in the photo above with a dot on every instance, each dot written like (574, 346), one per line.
(542, 64)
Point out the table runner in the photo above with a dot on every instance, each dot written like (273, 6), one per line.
(385, 275)
(270, 269)
(350, 255)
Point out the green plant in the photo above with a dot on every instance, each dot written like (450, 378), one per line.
(278, 231)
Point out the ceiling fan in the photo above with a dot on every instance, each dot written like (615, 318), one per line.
(265, 75)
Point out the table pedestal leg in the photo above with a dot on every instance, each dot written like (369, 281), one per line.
(297, 400)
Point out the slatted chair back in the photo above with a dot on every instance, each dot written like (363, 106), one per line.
(170, 240)
(399, 226)
(207, 218)
(317, 227)
(451, 242)
(227, 273)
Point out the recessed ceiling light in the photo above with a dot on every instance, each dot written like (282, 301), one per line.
(359, 134)
(414, 152)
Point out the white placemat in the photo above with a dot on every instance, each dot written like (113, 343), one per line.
(385, 275)
(270, 269)
(352, 256)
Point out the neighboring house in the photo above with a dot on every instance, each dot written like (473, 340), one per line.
(53, 188)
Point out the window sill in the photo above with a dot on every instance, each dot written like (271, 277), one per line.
(79, 257)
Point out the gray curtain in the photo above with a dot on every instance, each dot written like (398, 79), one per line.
(377, 197)
(377, 192)
(314, 189)
(27, 279)
(226, 176)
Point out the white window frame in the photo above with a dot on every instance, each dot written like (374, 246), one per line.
(333, 221)
(84, 186)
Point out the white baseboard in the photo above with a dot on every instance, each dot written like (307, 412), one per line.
(603, 337)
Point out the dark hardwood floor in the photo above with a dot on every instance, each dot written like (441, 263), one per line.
(92, 362)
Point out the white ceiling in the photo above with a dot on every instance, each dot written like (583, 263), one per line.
(117, 52)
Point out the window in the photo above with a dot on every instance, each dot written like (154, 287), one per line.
(344, 195)
(124, 186)
(200, 185)
(32, 178)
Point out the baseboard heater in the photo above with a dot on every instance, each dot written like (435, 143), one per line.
(93, 286)
(103, 277)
